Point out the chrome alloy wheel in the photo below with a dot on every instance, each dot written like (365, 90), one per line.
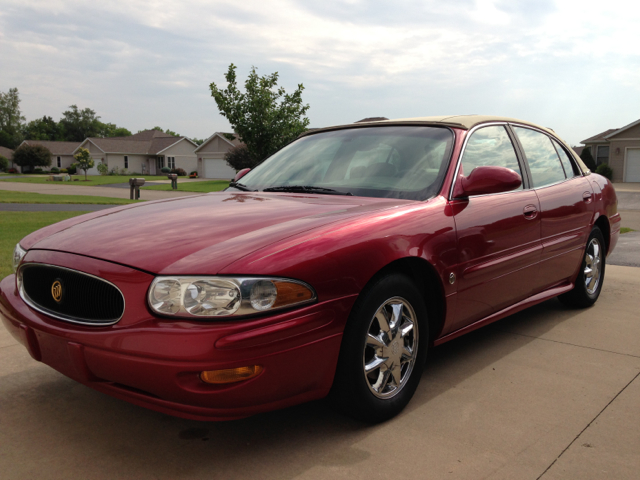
(592, 267)
(390, 348)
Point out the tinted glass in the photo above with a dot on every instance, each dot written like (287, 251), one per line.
(542, 157)
(569, 168)
(489, 146)
(395, 162)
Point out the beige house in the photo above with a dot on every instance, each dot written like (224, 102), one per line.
(144, 153)
(211, 162)
(620, 148)
(61, 152)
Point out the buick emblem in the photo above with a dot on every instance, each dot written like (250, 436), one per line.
(56, 291)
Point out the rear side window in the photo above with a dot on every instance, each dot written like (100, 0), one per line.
(570, 169)
(489, 146)
(543, 159)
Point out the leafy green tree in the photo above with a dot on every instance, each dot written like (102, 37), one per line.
(197, 141)
(11, 119)
(80, 124)
(29, 157)
(266, 118)
(587, 158)
(4, 163)
(84, 160)
(45, 128)
(112, 130)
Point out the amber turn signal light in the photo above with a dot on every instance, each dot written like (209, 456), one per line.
(231, 375)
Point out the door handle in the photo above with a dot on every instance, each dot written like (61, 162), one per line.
(530, 212)
(586, 196)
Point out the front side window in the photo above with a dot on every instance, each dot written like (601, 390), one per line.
(126, 162)
(171, 162)
(391, 161)
(543, 159)
(59, 162)
(489, 147)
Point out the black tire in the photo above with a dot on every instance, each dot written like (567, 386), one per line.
(365, 343)
(588, 285)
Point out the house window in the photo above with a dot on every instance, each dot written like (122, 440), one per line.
(126, 161)
(603, 155)
(159, 163)
(171, 162)
(59, 162)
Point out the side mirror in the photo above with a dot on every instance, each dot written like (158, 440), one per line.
(486, 180)
(241, 174)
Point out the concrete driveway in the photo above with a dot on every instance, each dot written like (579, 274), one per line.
(548, 393)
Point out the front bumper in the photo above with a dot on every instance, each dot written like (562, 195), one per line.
(155, 362)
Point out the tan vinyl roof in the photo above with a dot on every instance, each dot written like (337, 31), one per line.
(142, 147)
(600, 137)
(6, 153)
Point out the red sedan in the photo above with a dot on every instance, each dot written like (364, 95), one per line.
(327, 270)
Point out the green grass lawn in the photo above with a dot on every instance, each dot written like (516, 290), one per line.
(91, 179)
(626, 230)
(29, 197)
(16, 225)
(186, 186)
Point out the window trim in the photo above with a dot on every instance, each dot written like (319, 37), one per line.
(525, 169)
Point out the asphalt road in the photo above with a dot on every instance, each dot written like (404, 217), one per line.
(53, 207)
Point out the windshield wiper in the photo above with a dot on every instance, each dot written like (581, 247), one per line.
(305, 189)
(241, 186)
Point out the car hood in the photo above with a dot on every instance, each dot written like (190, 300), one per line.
(198, 234)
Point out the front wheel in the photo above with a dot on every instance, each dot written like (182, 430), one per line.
(383, 350)
(591, 276)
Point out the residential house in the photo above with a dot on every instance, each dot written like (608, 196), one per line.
(146, 152)
(620, 148)
(211, 162)
(61, 152)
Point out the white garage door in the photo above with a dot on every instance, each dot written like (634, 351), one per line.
(633, 165)
(217, 168)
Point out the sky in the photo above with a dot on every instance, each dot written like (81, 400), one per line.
(570, 65)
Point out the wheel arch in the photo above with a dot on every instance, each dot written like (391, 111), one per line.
(427, 280)
(603, 224)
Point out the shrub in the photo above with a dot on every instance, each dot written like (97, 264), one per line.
(72, 169)
(114, 171)
(55, 170)
(587, 158)
(239, 157)
(38, 170)
(194, 172)
(605, 170)
(165, 170)
(63, 170)
(32, 156)
(4, 163)
(180, 171)
(103, 169)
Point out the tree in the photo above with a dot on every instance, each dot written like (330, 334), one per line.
(112, 130)
(159, 129)
(28, 156)
(11, 119)
(80, 124)
(587, 158)
(265, 118)
(45, 128)
(84, 160)
(240, 157)
(4, 163)
(197, 141)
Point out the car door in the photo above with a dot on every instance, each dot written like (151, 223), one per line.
(498, 235)
(566, 206)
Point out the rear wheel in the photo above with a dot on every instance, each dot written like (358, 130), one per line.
(591, 277)
(383, 350)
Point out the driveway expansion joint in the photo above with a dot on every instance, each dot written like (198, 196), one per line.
(588, 425)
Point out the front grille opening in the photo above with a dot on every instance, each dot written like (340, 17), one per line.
(71, 295)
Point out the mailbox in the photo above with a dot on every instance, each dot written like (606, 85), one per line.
(134, 188)
(174, 180)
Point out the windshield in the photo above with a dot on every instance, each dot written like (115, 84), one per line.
(393, 162)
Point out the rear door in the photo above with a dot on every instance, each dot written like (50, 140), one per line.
(566, 206)
(498, 234)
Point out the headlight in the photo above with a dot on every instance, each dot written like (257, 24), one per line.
(213, 297)
(18, 254)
